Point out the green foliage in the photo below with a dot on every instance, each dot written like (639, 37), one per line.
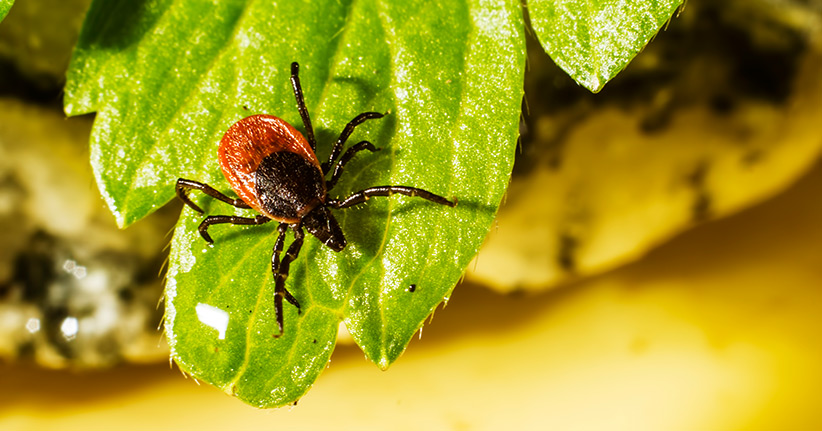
(167, 79)
(593, 40)
(5, 6)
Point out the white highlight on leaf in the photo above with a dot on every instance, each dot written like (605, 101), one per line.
(492, 19)
(213, 317)
(171, 310)
(96, 155)
(185, 257)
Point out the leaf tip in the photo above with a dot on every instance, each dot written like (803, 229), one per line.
(119, 217)
(76, 102)
(68, 108)
(592, 82)
(230, 389)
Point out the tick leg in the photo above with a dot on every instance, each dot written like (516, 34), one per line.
(347, 131)
(210, 220)
(183, 185)
(298, 94)
(280, 271)
(363, 195)
(349, 154)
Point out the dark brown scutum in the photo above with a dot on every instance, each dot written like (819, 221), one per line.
(288, 185)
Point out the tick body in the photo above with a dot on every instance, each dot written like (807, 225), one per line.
(274, 170)
(271, 166)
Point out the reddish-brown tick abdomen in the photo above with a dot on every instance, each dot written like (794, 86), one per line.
(247, 143)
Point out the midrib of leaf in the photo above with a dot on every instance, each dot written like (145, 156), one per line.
(592, 36)
(290, 356)
(312, 304)
(392, 55)
(265, 282)
(339, 36)
(229, 387)
(437, 228)
(248, 332)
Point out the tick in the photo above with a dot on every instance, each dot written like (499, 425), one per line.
(274, 170)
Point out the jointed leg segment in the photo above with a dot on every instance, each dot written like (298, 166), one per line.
(183, 185)
(280, 270)
(219, 219)
(349, 129)
(298, 94)
(349, 154)
(363, 195)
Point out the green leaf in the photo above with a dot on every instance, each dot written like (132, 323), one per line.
(169, 77)
(5, 6)
(593, 40)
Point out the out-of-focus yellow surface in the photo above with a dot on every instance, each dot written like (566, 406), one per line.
(718, 329)
(619, 190)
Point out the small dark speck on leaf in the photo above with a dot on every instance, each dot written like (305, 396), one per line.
(412, 288)
(315, 341)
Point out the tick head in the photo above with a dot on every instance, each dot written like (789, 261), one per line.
(322, 224)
